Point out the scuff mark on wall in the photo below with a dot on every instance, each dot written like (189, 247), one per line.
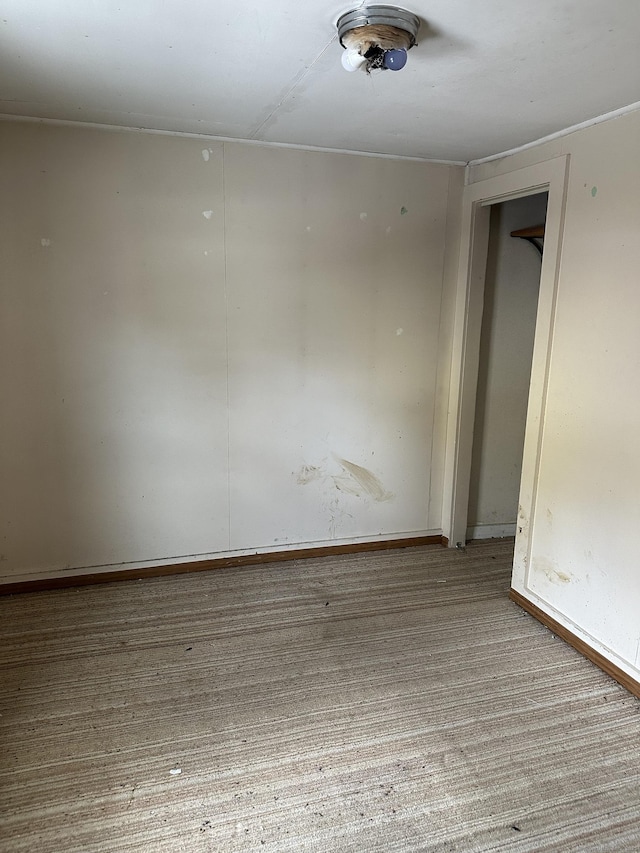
(523, 521)
(352, 480)
(337, 516)
(307, 474)
(364, 482)
(554, 574)
(548, 568)
(344, 483)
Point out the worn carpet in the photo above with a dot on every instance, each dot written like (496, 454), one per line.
(390, 701)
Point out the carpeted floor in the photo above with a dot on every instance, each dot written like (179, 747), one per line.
(394, 701)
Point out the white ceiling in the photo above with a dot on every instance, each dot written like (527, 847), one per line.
(485, 77)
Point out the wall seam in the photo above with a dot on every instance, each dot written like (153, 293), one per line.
(226, 342)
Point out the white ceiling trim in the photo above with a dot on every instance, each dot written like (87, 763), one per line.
(623, 111)
(117, 128)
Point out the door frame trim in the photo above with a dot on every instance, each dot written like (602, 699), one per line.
(548, 176)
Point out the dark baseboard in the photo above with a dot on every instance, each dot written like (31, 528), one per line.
(585, 649)
(216, 563)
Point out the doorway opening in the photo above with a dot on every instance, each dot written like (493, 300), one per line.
(549, 176)
(510, 307)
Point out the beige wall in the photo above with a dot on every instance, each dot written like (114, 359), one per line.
(506, 346)
(196, 338)
(583, 556)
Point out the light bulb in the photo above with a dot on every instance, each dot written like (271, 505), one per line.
(351, 60)
(394, 59)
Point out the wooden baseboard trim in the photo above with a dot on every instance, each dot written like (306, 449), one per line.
(215, 563)
(579, 645)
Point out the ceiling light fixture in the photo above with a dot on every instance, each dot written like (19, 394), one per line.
(377, 37)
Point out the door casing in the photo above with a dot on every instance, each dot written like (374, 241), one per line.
(549, 176)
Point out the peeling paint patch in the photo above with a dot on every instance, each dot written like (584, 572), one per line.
(205, 155)
(207, 214)
(45, 242)
(403, 211)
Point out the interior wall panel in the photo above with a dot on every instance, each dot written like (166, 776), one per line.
(334, 268)
(212, 348)
(113, 363)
